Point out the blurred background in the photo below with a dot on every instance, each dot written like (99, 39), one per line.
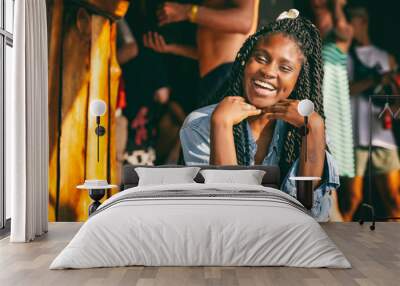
(153, 66)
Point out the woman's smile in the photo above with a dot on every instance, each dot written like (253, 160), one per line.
(264, 88)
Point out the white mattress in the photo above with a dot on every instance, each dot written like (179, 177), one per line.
(185, 230)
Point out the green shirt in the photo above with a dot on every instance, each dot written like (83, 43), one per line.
(337, 108)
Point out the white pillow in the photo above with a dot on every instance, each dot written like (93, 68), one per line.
(248, 177)
(162, 176)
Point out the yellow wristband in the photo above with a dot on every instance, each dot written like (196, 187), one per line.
(193, 13)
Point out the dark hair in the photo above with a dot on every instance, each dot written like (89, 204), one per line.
(309, 83)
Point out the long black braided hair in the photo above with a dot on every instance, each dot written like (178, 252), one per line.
(309, 83)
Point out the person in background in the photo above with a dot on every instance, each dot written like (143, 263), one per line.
(127, 50)
(329, 17)
(127, 46)
(369, 68)
(223, 26)
(142, 92)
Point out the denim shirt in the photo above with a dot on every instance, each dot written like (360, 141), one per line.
(195, 140)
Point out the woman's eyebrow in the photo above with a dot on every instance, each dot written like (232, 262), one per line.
(258, 50)
(285, 60)
(281, 59)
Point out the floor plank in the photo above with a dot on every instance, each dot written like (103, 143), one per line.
(374, 255)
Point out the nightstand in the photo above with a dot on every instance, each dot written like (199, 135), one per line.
(97, 190)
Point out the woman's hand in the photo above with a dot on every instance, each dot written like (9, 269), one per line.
(287, 110)
(232, 110)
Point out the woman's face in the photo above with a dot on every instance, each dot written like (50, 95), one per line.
(271, 73)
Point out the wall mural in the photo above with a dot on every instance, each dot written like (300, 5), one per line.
(151, 77)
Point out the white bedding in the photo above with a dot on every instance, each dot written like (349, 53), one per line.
(268, 228)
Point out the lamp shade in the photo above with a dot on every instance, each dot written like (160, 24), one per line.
(98, 107)
(305, 107)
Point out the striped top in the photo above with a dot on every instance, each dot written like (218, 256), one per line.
(335, 90)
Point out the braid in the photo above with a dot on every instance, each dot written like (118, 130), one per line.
(309, 83)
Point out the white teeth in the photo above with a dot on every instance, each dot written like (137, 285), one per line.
(264, 84)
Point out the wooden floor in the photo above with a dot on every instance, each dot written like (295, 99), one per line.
(375, 257)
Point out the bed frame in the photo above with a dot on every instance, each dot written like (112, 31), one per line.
(271, 178)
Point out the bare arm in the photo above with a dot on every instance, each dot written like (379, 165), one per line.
(357, 87)
(237, 18)
(127, 52)
(343, 29)
(393, 63)
(222, 148)
(394, 67)
(184, 51)
(129, 48)
(286, 110)
(230, 111)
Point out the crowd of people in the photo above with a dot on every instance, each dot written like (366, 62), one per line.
(180, 56)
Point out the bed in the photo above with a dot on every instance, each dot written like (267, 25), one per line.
(199, 224)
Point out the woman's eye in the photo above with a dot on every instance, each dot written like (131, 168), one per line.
(261, 59)
(285, 68)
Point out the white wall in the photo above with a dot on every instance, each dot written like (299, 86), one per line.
(8, 70)
(9, 27)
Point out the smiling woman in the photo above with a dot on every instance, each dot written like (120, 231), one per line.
(255, 120)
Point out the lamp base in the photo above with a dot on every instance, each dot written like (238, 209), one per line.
(305, 193)
(305, 190)
(96, 195)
